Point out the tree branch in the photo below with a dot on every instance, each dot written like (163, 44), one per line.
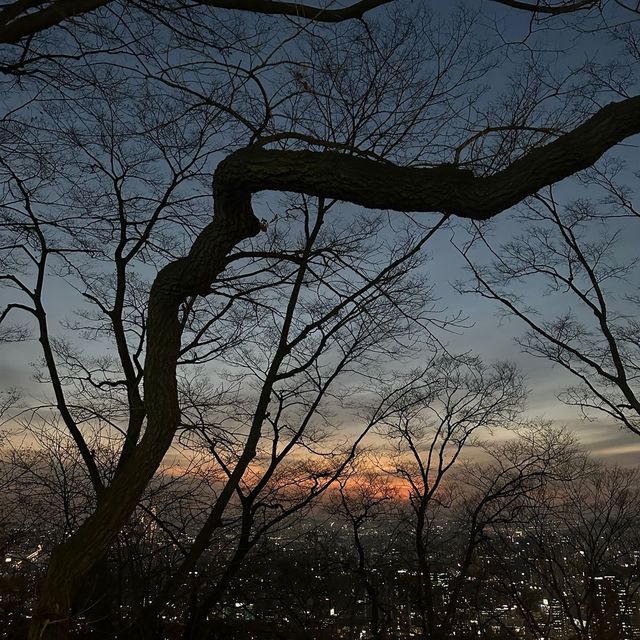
(14, 26)
(317, 14)
(537, 7)
(446, 189)
(12, 31)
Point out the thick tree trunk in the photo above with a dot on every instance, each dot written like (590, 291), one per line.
(192, 275)
(101, 601)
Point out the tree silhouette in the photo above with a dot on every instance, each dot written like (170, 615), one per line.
(380, 121)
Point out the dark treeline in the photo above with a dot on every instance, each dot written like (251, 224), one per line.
(537, 541)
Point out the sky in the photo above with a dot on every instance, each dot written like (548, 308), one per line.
(489, 335)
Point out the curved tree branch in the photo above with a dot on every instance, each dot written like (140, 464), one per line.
(298, 9)
(16, 23)
(24, 18)
(445, 189)
(554, 10)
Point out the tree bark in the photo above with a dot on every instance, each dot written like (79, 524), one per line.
(444, 189)
(192, 275)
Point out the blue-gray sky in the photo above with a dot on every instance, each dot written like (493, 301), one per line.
(488, 335)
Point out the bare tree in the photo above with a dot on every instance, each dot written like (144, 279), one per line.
(390, 133)
(365, 499)
(571, 251)
(441, 413)
(576, 540)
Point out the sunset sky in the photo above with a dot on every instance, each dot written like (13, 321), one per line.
(488, 335)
